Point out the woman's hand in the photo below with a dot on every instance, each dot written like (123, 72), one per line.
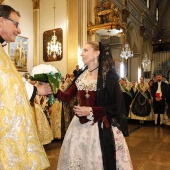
(81, 111)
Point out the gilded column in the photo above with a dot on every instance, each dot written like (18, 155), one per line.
(83, 14)
(36, 25)
(72, 32)
(91, 16)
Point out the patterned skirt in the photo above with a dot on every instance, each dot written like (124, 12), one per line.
(81, 148)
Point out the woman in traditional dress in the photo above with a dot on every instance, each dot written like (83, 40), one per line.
(94, 139)
(126, 88)
(141, 105)
(133, 87)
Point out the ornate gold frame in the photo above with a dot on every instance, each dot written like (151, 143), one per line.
(18, 51)
(46, 38)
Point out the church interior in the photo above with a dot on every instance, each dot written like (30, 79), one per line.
(138, 34)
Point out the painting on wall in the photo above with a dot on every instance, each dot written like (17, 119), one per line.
(53, 45)
(18, 51)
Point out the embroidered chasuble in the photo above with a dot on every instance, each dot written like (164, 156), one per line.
(20, 148)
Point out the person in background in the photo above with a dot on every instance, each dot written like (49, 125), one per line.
(94, 139)
(67, 76)
(168, 101)
(150, 83)
(159, 93)
(76, 71)
(62, 84)
(155, 79)
(141, 104)
(133, 87)
(126, 88)
(20, 148)
(71, 77)
(67, 82)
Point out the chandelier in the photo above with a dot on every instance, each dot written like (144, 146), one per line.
(126, 53)
(54, 46)
(146, 61)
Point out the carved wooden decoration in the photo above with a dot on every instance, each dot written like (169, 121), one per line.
(107, 16)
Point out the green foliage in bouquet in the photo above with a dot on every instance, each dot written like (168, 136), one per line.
(53, 79)
(40, 77)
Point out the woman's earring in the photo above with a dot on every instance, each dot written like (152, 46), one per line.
(95, 60)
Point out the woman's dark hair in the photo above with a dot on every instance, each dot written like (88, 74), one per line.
(5, 11)
(150, 82)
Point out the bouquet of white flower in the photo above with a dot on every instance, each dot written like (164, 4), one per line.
(47, 73)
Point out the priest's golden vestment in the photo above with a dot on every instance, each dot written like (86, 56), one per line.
(20, 148)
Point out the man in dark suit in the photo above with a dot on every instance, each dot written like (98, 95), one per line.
(76, 71)
(159, 92)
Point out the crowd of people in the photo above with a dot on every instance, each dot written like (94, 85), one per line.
(146, 101)
(65, 81)
(95, 138)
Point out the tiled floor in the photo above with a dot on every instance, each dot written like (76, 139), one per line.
(149, 147)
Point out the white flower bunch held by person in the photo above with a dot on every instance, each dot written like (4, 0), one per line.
(47, 73)
(43, 69)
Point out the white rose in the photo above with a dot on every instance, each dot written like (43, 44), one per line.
(43, 68)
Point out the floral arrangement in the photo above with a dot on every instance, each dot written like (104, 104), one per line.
(47, 73)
